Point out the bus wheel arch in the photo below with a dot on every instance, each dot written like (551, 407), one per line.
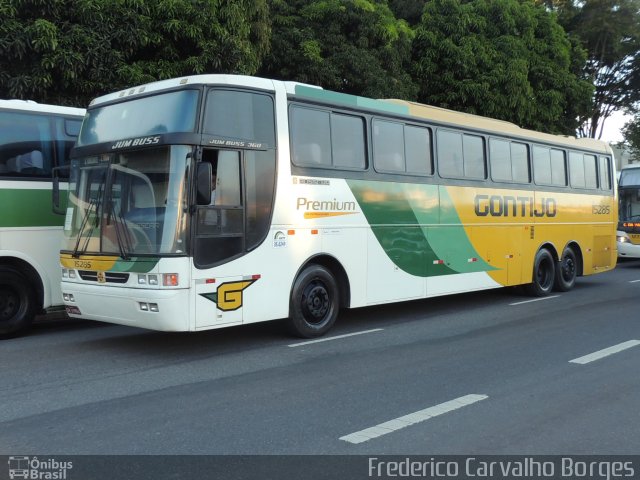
(21, 296)
(318, 292)
(543, 272)
(568, 268)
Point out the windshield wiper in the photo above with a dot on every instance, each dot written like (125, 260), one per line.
(122, 232)
(93, 206)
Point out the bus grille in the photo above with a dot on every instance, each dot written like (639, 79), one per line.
(110, 277)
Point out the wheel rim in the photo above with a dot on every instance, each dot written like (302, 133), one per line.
(544, 274)
(316, 302)
(568, 269)
(9, 304)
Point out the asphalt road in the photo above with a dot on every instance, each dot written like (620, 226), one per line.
(477, 373)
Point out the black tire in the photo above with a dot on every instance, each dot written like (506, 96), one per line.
(566, 271)
(17, 303)
(314, 304)
(544, 267)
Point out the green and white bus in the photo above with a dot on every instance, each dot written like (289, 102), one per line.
(320, 201)
(34, 138)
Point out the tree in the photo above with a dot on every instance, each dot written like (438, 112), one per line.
(610, 32)
(506, 59)
(631, 134)
(69, 51)
(350, 46)
(409, 10)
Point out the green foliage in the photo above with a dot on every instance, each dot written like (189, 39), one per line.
(69, 51)
(610, 32)
(355, 47)
(409, 10)
(631, 134)
(506, 59)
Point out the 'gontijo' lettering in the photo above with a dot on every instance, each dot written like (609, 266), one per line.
(510, 206)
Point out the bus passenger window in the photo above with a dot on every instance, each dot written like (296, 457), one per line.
(388, 146)
(450, 154)
(474, 164)
(576, 169)
(310, 137)
(605, 173)
(27, 144)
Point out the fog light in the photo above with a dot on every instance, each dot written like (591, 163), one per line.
(153, 307)
(65, 297)
(144, 306)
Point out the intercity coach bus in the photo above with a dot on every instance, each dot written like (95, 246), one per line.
(34, 138)
(628, 234)
(218, 200)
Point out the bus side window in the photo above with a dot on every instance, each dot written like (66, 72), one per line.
(27, 145)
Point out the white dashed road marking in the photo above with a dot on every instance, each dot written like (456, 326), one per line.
(535, 300)
(605, 352)
(327, 339)
(411, 419)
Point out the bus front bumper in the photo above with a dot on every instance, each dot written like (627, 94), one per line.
(628, 250)
(157, 309)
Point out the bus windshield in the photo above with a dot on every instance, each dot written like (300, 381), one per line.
(167, 112)
(129, 203)
(629, 210)
(629, 193)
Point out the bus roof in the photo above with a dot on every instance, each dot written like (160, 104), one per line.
(402, 107)
(499, 126)
(31, 106)
(240, 80)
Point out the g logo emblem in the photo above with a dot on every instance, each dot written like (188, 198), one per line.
(228, 296)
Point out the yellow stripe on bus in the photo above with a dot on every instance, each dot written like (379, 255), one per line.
(309, 215)
(88, 262)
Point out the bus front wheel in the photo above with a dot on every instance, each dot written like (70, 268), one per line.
(566, 271)
(543, 274)
(17, 303)
(314, 302)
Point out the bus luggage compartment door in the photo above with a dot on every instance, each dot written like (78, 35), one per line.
(219, 301)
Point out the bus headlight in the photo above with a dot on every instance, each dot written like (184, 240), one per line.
(68, 273)
(622, 239)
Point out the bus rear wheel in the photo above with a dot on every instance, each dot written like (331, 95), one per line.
(17, 303)
(314, 302)
(566, 271)
(543, 274)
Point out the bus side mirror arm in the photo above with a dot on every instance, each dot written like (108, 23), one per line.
(56, 204)
(203, 183)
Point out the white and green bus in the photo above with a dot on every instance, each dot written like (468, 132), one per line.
(218, 200)
(34, 139)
